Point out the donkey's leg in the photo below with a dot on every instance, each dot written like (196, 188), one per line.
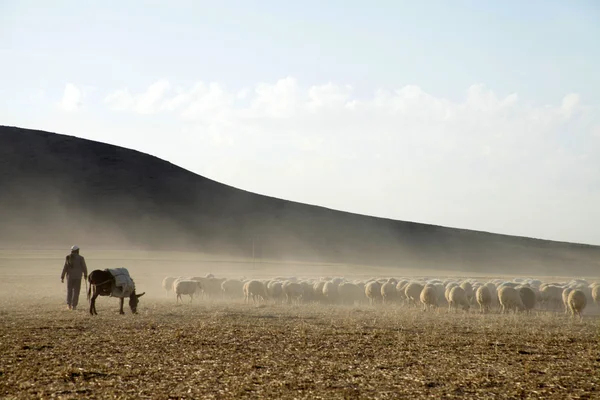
(93, 304)
(121, 307)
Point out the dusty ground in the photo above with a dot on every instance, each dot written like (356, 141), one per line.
(226, 350)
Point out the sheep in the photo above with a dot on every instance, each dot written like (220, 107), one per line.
(349, 293)
(484, 298)
(577, 302)
(446, 281)
(275, 290)
(551, 295)
(493, 292)
(318, 291)
(187, 287)
(167, 283)
(429, 297)
(578, 282)
(413, 292)
(232, 288)
(510, 299)
(565, 298)
(439, 289)
(528, 298)
(448, 290)
(596, 294)
(400, 286)
(255, 289)
(373, 292)
(211, 286)
(180, 278)
(293, 292)
(508, 284)
(308, 294)
(330, 292)
(337, 281)
(468, 288)
(388, 291)
(457, 297)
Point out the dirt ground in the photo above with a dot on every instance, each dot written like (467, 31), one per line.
(232, 350)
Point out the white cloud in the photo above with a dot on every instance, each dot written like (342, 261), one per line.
(147, 102)
(570, 103)
(328, 96)
(208, 101)
(276, 101)
(485, 162)
(72, 98)
(143, 103)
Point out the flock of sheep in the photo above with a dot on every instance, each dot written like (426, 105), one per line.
(518, 295)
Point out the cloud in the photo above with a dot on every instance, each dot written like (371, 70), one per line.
(72, 98)
(328, 96)
(276, 101)
(570, 103)
(144, 103)
(208, 101)
(485, 161)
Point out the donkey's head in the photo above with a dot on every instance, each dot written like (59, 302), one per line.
(133, 301)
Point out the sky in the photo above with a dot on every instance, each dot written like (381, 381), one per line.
(472, 114)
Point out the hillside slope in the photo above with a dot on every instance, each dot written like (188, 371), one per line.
(57, 189)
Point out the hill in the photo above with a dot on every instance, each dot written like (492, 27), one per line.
(57, 189)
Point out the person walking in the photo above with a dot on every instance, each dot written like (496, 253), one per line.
(74, 268)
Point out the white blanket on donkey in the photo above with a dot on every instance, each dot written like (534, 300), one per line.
(124, 285)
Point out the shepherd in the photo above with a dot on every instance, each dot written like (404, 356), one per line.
(73, 269)
(114, 283)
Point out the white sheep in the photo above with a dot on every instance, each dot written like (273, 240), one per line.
(596, 294)
(510, 299)
(429, 297)
(212, 286)
(255, 289)
(318, 291)
(413, 292)
(167, 283)
(468, 288)
(458, 298)
(493, 292)
(349, 293)
(551, 295)
(565, 298)
(293, 292)
(232, 288)
(528, 297)
(275, 290)
(484, 298)
(187, 287)
(388, 291)
(449, 287)
(400, 286)
(330, 292)
(373, 292)
(577, 302)
(308, 294)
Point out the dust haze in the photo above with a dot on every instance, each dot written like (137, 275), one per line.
(366, 335)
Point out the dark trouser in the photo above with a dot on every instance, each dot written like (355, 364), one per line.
(73, 289)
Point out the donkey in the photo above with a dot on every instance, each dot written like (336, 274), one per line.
(101, 284)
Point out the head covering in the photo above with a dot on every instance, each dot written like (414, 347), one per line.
(75, 248)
